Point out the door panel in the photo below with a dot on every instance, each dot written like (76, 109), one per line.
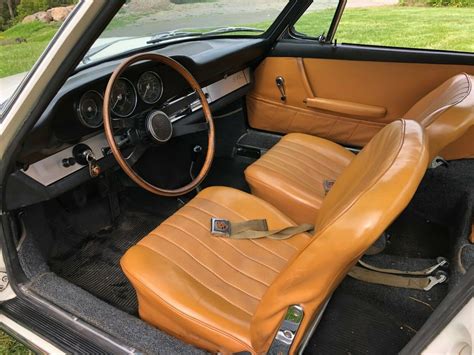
(346, 101)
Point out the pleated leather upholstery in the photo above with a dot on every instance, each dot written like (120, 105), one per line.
(370, 193)
(446, 113)
(216, 282)
(231, 295)
(291, 174)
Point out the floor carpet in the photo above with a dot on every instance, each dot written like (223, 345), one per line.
(95, 265)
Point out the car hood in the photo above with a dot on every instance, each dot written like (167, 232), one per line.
(8, 86)
(110, 46)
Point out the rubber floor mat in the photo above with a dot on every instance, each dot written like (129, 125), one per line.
(95, 265)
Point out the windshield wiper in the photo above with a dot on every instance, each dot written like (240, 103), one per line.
(231, 29)
(163, 36)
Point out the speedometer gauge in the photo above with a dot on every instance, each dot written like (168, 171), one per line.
(89, 109)
(150, 87)
(123, 98)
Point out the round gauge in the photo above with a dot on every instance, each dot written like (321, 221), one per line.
(89, 109)
(150, 87)
(123, 98)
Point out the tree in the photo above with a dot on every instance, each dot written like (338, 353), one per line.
(11, 8)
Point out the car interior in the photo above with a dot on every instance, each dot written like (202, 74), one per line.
(131, 196)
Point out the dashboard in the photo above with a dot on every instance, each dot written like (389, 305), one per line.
(46, 164)
(55, 167)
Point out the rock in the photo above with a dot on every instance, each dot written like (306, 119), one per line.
(43, 16)
(70, 8)
(29, 18)
(58, 14)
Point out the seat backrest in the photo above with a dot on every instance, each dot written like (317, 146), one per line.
(446, 113)
(369, 194)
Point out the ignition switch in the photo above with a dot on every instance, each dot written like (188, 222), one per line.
(84, 155)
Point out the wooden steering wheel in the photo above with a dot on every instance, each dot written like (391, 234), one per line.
(156, 127)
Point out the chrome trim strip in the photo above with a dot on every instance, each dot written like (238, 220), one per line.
(335, 21)
(79, 323)
(27, 337)
(218, 90)
(311, 329)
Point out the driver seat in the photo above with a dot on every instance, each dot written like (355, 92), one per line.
(227, 295)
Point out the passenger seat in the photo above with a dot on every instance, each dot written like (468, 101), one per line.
(297, 172)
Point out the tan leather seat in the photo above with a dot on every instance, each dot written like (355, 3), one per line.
(230, 295)
(291, 174)
(446, 113)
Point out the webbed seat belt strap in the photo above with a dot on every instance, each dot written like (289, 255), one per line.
(417, 283)
(254, 229)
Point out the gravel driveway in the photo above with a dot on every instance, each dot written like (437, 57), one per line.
(158, 16)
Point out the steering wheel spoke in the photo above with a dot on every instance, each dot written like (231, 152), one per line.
(136, 153)
(185, 129)
(180, 106)
(123, 123)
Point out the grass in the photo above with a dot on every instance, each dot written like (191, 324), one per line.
(9, 345)
(122, 19)
(19, 57)
(430, 28)
(446, 28)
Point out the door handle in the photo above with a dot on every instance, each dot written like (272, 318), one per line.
(280, 83)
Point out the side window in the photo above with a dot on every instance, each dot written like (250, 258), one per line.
(317, 19)
(438, 24)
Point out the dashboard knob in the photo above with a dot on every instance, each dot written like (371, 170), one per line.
(67, 162)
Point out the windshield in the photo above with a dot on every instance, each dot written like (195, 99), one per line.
(141, 23)
(27, 27)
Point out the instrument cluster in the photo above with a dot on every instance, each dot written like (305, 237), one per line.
(123, 99)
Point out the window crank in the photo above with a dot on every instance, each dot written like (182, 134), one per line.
(280, 82)
(94, 168)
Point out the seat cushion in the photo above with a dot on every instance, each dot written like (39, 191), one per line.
(205, 289)
(291, 174)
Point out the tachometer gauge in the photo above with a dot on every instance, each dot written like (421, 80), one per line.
(123, 98)
(150, 87)
(89, 109)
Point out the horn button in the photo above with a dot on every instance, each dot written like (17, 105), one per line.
(159, 126)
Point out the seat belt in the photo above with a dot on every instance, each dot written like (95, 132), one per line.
(440, 262)
(380, 278)
(254, 229)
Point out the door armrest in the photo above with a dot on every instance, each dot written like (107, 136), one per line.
(346, 107)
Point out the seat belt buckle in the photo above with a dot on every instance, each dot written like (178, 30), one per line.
(220, 227)
(327, 185)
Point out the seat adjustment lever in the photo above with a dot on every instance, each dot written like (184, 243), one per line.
(286, 333)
